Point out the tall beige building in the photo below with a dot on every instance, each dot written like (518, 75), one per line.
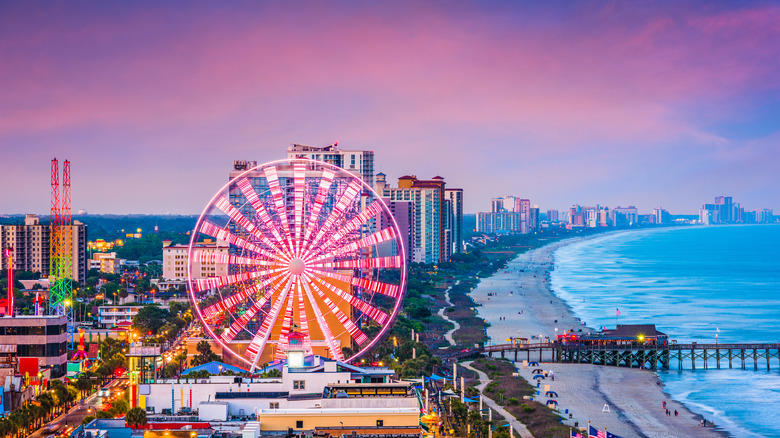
(32, 247)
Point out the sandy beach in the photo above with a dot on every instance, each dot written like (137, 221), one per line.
(517, 303)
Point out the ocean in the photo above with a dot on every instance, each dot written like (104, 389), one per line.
(694, 283)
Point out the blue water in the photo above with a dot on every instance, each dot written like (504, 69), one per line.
(693, 283)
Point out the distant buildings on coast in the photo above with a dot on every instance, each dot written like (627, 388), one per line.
(725, 211)
(512, 214)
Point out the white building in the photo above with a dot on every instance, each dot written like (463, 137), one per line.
(108, 316)
(325, 393)
(105, 262)
(175, 258)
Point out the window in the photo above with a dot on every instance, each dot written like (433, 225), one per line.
(273, 405)
(299, 384)
(299, 424)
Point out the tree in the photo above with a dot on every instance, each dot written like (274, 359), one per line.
(121, 406)
(136, 417)
(83, 384)
(150, 319)
(205, 355)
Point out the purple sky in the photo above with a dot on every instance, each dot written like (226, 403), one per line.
(645, 103)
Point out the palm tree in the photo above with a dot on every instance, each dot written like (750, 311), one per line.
(136, 417)
(47, 401)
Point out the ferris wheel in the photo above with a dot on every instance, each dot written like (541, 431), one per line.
(296, 246)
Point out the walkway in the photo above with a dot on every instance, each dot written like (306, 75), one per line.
(448, 335)
(483, 382)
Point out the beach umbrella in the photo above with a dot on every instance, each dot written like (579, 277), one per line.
(539, 376)
(551, 394)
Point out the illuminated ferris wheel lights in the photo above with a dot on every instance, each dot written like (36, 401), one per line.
(305, 257)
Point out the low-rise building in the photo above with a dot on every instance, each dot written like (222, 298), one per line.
(25, 339)
(321, 393)
(109, 316)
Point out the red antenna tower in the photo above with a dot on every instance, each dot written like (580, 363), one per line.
(66, 242)
(9, 252)
(56, 221)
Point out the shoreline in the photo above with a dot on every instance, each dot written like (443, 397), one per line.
(518, 302)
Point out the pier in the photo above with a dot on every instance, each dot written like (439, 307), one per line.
(654, 357)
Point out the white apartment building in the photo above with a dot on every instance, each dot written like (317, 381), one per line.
(109, 316)
(175, 260)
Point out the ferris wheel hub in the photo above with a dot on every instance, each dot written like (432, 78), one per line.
(297, 266)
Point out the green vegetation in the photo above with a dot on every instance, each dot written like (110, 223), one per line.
(508, 391)
(136, 417)
(205, 355)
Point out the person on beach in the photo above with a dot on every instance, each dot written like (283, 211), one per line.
(675, 412)
(663, 404)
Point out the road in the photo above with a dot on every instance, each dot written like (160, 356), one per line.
(77, 413)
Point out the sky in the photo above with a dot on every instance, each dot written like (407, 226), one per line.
(613, 103)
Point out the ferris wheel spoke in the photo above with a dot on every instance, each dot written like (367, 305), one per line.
(239, 324)
(203, 284)
(322, 195)
(216, 309)
(335, 350)
(370, 240)
(242, 221)
(390, 290)
(349, 196)
(374, 209)
(377, 315)
(302, 317)
(211, 257)
(378, 262)
(281, 346)
(350, 326)
(251, 196)
(261, 337)
(223, 234)
(299, 185)
(276, 193)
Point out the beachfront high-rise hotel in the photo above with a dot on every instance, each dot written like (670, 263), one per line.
(359, 163)
(436, 223)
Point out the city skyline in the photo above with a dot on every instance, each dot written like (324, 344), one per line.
(648, 105)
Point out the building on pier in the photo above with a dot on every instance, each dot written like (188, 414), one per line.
(625, 334)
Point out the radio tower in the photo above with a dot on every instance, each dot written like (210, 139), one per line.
(60, 270)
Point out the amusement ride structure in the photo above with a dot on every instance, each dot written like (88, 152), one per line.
(60, 260)
(310, 249)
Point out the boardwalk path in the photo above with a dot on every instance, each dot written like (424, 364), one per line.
(448, 335)
(483, 382)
